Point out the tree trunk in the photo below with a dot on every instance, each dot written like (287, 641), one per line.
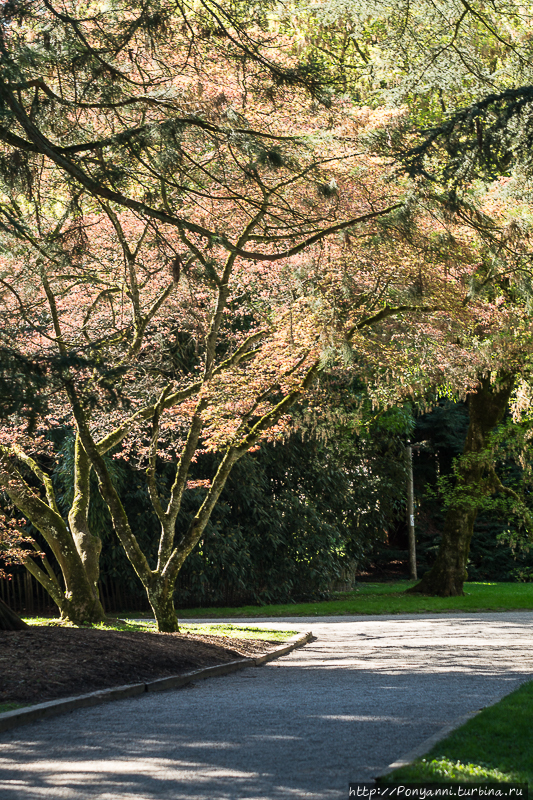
(161, 599)
(486, 408)
(87, 544)
(78, 601)
(9, 621)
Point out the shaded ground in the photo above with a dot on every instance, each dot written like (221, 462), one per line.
(47, 663)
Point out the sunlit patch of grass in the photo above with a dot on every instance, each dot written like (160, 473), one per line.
(48, 622)
(236, 632)
(443, 769)
(149, 626)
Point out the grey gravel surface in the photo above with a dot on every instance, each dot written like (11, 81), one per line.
(366, 692)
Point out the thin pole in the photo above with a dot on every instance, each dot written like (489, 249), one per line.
(411, 513)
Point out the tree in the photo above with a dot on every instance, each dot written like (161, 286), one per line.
(159, 215)
(144, 214)
(486, 407)
(248, 380)
(500, 372)
(501, 284)
(484, 149)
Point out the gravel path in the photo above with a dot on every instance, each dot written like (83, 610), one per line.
(365, 693)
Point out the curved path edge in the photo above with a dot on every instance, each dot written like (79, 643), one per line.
(425, 746)
(52, 708)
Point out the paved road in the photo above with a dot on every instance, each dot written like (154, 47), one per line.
(366, 692)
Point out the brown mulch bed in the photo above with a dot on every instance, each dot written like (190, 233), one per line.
(51, 662)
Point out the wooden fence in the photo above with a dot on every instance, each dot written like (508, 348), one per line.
(26, 596)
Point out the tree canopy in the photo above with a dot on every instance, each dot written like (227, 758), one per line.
(199, 214)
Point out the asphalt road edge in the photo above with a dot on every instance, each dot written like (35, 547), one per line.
(434, 739)
(52, 708)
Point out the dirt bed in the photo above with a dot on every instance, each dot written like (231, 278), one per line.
(47, 663)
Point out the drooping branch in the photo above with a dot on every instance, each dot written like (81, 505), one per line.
(508, 105)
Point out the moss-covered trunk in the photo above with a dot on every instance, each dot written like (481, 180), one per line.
(486, 408)
(75, 551)
(87, 544)
(161, 599)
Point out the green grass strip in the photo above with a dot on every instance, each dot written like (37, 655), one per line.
(494, 746)
(236, 632)
(387, 598)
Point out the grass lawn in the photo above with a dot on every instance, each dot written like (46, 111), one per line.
(228, 630)
(494, 746)
(387, 598)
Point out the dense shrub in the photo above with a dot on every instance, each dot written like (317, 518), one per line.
(292, 518)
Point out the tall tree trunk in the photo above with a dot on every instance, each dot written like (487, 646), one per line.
(77, 599)
(9, 621)
(486, 408)
(87, 544)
